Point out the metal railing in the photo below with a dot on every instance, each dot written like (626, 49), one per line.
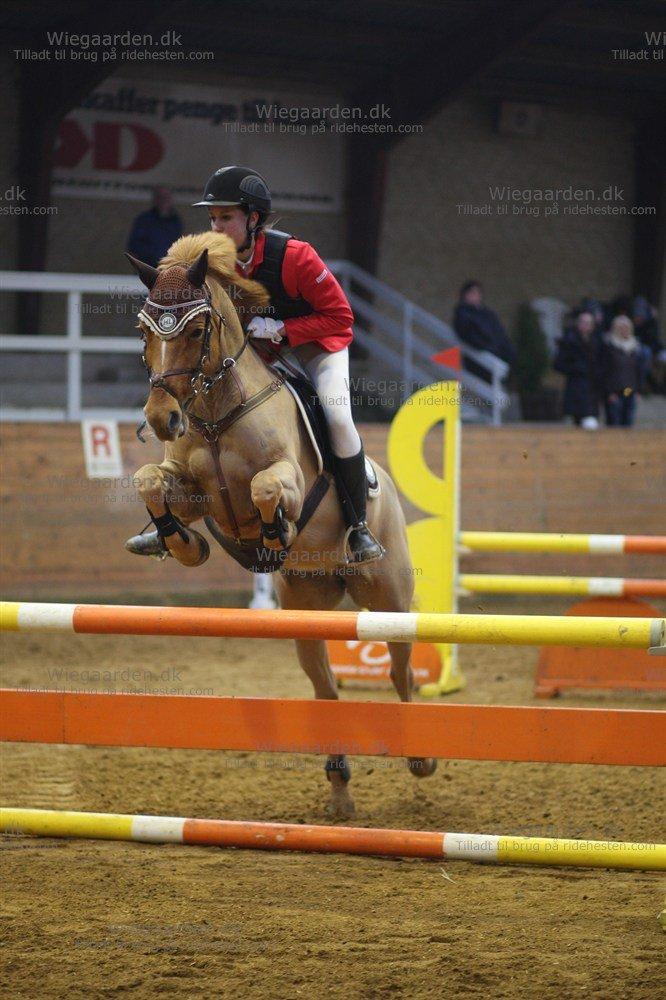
(405, 353)
(407, 340)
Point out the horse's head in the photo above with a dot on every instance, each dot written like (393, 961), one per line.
(175, 324)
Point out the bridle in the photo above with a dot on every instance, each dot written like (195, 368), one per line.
(168, 327)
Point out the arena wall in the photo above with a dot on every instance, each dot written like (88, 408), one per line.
(63, 534)
(89, 235)
(430, 244)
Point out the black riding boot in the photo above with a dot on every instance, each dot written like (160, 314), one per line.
(351, 483)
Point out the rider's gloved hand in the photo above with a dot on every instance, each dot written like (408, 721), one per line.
(265, 328)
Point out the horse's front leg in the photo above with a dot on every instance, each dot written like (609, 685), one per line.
(173, 501)
(277, 493)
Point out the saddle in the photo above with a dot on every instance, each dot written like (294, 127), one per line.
(252, 554)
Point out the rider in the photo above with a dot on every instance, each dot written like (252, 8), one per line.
(310, 310)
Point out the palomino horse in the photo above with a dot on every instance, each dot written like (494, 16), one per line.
(238, 454)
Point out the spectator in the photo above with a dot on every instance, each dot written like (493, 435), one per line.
(154, 231)
(623, 368)
(594, 306)
(620, 306)
(645, 325)
(479, 326)
(578, 359)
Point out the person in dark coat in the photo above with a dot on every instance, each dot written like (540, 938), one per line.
(578, 359)
(623, 370)
(646, 326)
(594, 306)
(154, 231)
(479, 326)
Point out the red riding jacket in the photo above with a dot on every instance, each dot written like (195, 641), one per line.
(304, 275)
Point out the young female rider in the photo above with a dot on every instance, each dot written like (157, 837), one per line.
(309, 310)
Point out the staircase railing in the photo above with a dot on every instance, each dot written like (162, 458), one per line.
(405, 341)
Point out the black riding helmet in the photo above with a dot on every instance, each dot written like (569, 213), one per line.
(238, 186)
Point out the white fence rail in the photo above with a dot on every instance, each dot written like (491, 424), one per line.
(73, 343)
(395, 340)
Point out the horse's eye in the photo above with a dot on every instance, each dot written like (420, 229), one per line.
(196, 334)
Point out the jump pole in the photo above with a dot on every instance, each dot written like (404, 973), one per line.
(590, 586)
(625, 737)
(334, 839)
(518, 630)
(528, 541)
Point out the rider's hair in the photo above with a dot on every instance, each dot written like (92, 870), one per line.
(263, 216)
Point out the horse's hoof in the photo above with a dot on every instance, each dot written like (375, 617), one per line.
(202, 548)
(341, 806)
(148, 544)
(422, 767)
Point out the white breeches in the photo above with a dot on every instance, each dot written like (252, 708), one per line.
(329, 371)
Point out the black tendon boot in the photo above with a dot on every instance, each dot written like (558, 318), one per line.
(351, 483)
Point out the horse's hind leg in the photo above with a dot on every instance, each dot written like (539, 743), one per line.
(402, 678)
(323, 593)
(389, 586)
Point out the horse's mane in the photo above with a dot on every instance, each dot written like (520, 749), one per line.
(248, 297)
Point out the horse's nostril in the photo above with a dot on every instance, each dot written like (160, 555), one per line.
(174, 421)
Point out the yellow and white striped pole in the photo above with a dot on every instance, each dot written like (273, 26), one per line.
(476, 847)
(525, 541)
(590, 586)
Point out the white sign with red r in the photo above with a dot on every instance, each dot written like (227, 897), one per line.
(101, 447)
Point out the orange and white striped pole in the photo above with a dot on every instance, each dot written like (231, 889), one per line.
(335, 839)
(519, 630)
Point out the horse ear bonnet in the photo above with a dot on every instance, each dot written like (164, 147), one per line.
(173, 302)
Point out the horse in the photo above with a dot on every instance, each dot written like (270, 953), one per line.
(238, 454)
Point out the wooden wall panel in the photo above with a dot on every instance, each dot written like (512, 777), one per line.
(62, 535)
